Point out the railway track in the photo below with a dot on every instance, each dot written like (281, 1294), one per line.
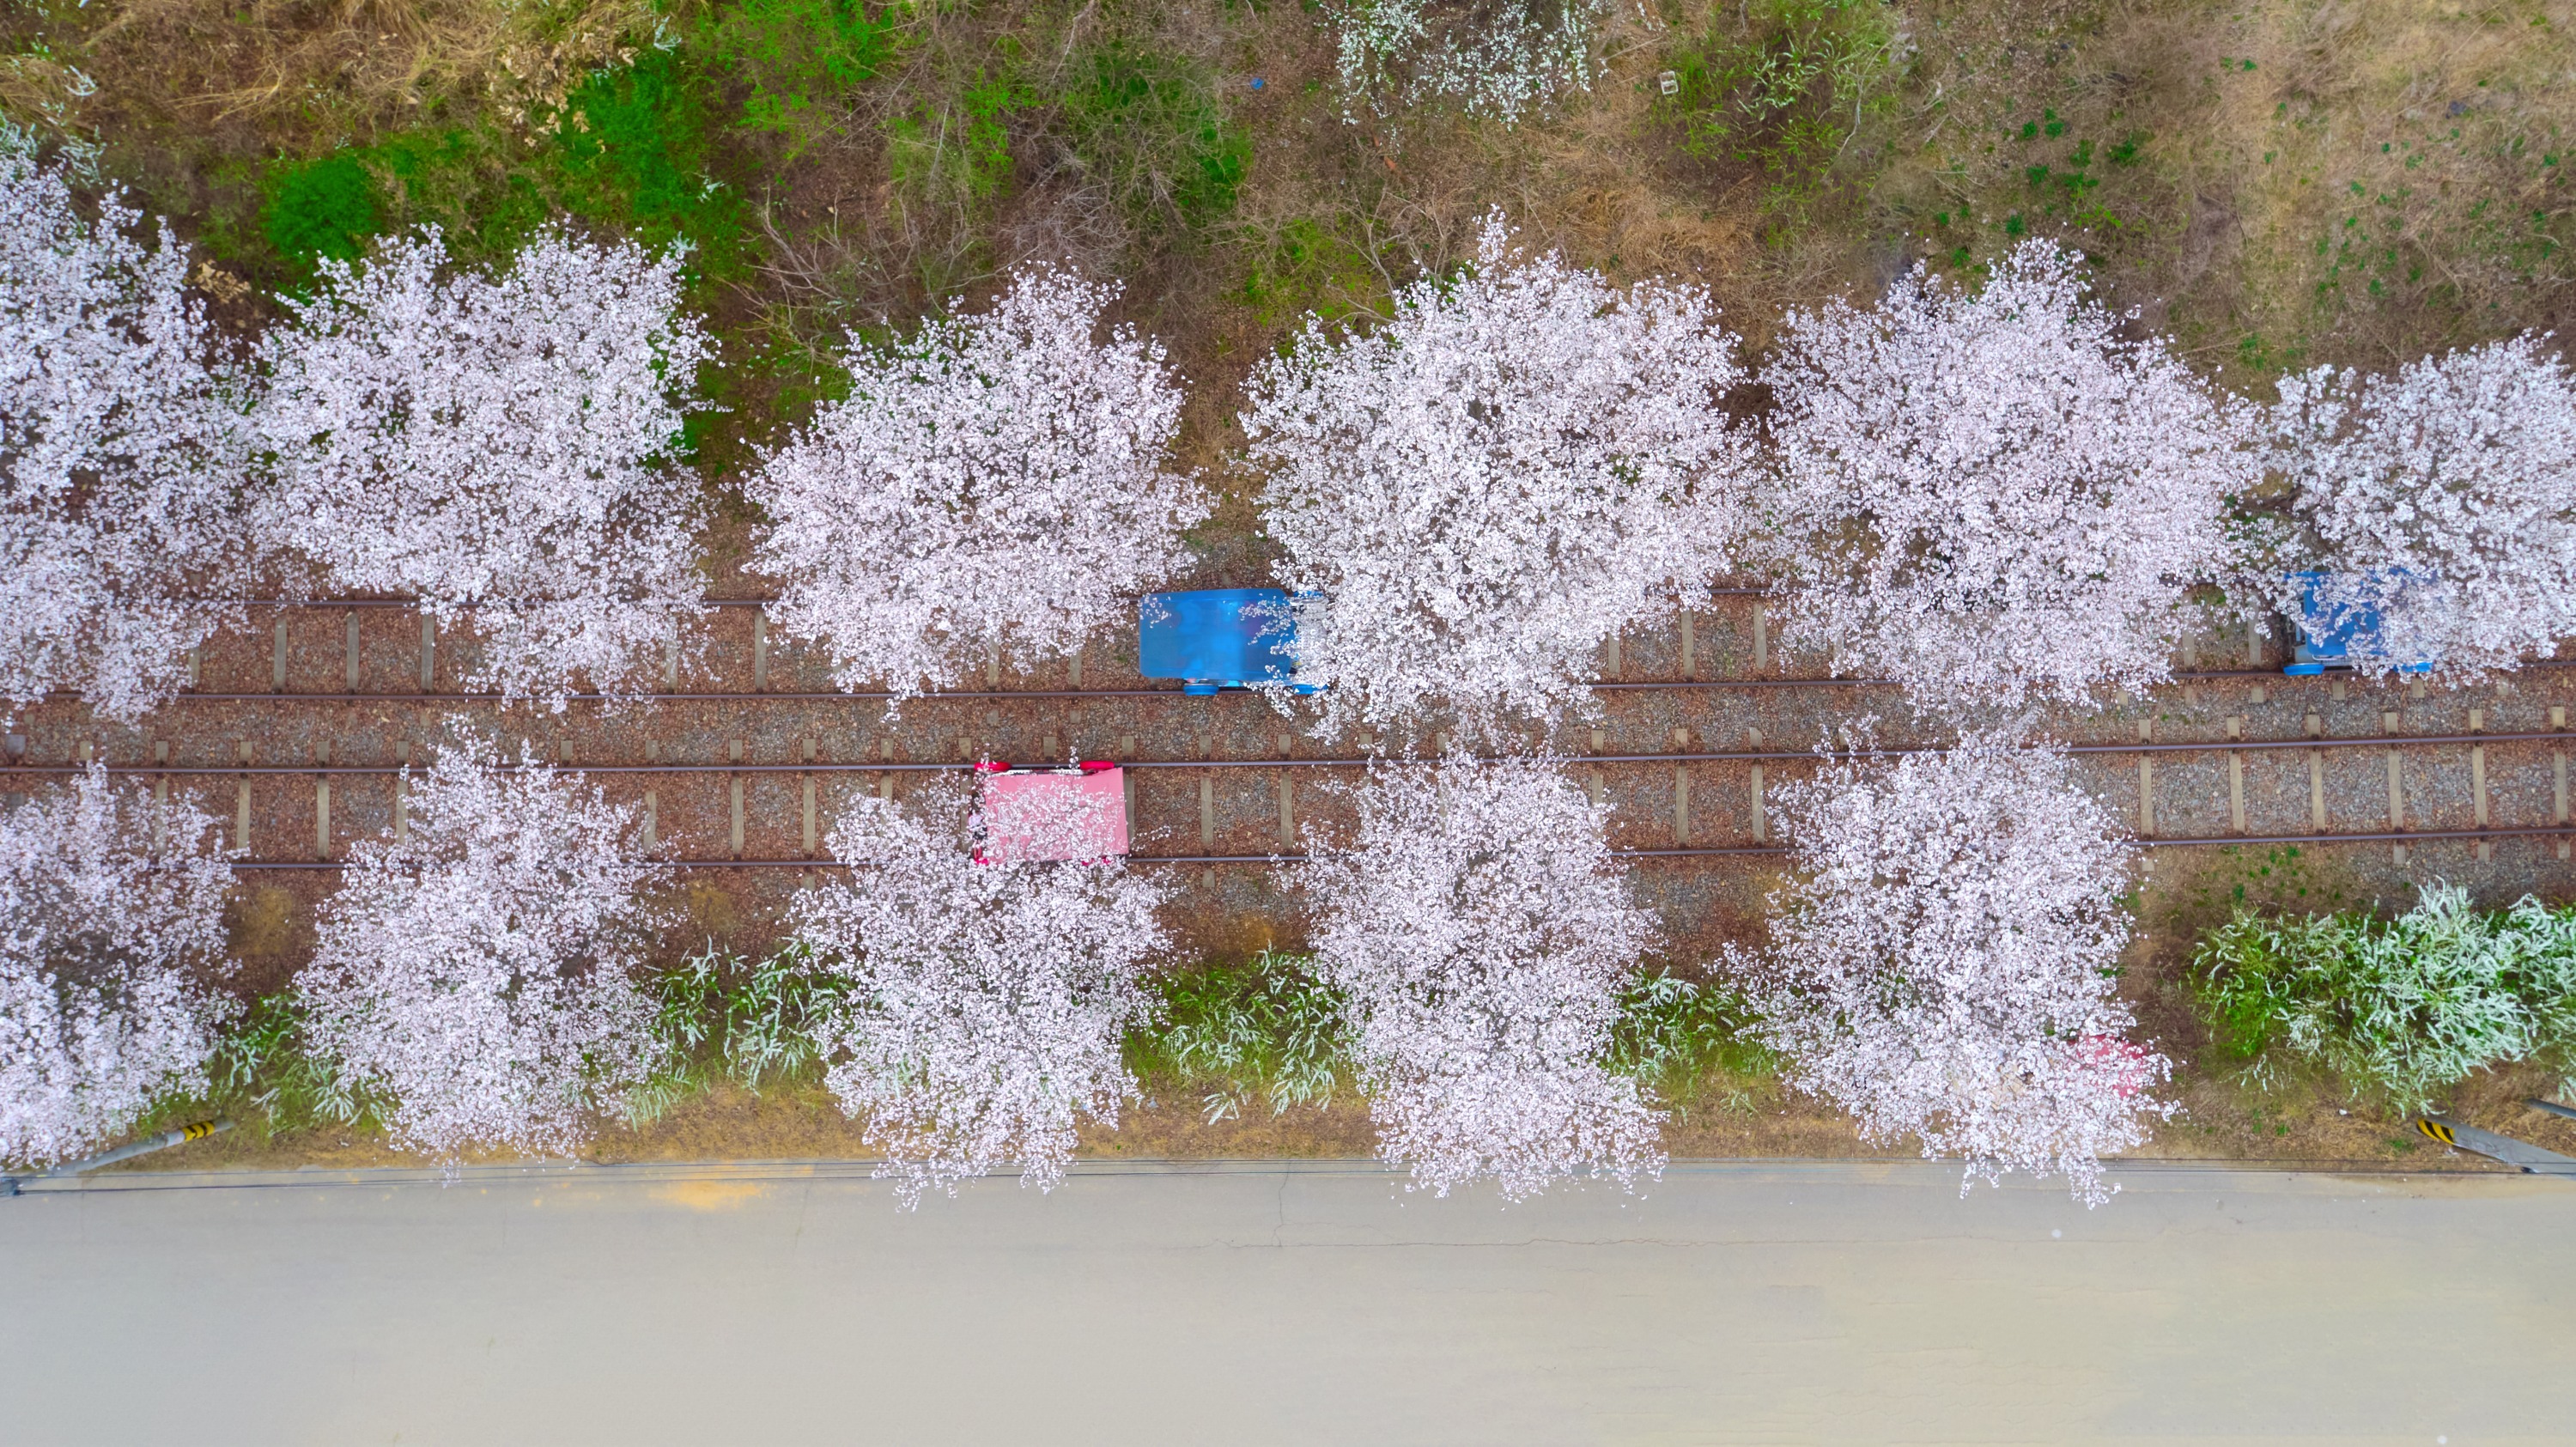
(747, 776)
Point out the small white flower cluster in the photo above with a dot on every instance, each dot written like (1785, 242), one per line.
(1942, 960)
(477, 979)
(111, 935)
(1481, 935)
(1992, 496)
(121, 450)
(2459, 470)
(498, 447)
(999, 477)
(1474, 497)
(992, 999)
(1497, 58)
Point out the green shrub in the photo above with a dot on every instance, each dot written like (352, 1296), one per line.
(265, 1079)
(1266, 1029)
(322, 209)
(1302, 268)
(632, 150)
(792, 54)
(1674, 1036)
(955, 149)
(1150, 128)
(1783, 86)
(2400, 1008)
(719, 1017)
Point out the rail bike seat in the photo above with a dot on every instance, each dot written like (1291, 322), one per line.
(1076, 811)
(1218, 638)
(2341, 630)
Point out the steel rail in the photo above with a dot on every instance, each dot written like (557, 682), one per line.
(769, 602)
(2378, 741)
(2205, 675)
(2419, 836)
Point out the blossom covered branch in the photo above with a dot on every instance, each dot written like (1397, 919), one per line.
(2459, 470)
(992, 997)
(1473, 498)
(1991, 497)
(1481, 936)
(997, 480)
(1942, 961)
(111, 935)
(476, 978)
(500, 447)
(121, 451)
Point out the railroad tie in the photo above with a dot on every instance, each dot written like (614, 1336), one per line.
(2317, 775)
(241, 804)
(2146, 781)
(2558, 767)
(1681, 792)
(2478, 781)
(1287, 794)
(322, 801)
(2236, 775)
(2396, 786)
(160, 798)
(735, 748)
(1761, 824)
(807, 744)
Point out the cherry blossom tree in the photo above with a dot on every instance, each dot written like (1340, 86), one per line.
(992, 998)
(476, 979)
(111, 929)
(1992, 495)
(2459, 470)
(999, 479)
(121, 450)
(1475, 496)
(1942, 960)
(1481, 935)
(500, 447)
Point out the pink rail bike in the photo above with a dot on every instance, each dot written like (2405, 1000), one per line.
(1076, 812)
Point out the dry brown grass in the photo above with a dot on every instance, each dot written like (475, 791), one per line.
(2415, 131)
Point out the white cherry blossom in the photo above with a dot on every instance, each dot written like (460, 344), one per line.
(991, 999)
(111, 936)
(122, 451)
(1475, 496)
(1001, 479)
(2460, 470)
(1994, 496)
(1481, 935)
(1942, 959)
(500, 447)
(476, 979)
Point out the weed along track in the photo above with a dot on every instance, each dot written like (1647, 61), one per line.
(298, 731)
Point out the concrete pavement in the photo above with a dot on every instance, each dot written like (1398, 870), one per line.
(1758, 1302)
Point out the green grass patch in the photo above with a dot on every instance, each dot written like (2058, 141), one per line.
(1266, 1031)
(1781, 85)
(720, 1017)
(2400, 1008)
(1150, 128)
(792, 58)
(1685, 1040)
